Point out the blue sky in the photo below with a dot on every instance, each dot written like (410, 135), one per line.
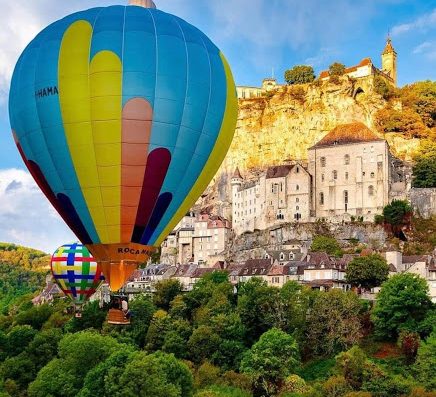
(257, 36)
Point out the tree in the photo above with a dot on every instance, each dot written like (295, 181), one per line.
(424, 172)
(425, 364)
(403, 303)
(159, 325)
(326, 244)
(92, 317)
(143, 310)
(78, 354)
(336, 69)
(36, 316)
(270, 360)
(103, 379)
(382, 88)
(352, 365)
(19, 338)
(155, 375)
(257, 307)
(203, 343)
(409, 342)
(300, 74)
(367, 271)
(166, 291)
(397, 215)
(336, 386)
(333, 323)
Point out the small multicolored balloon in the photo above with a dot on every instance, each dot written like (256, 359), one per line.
(76, 272)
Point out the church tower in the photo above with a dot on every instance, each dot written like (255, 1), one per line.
(389, 61)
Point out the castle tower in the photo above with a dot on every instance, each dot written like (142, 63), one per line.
(236, 182)
(389, 60)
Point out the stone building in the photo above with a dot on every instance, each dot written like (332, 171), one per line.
(351, 173)
(280, 195)
(211, 235)
(366, 69)
(249, 92)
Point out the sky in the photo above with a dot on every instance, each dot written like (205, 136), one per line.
(260, 38)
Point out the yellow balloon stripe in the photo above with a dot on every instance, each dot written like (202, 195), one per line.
(217, 156)
(90, 98)
(106, 113)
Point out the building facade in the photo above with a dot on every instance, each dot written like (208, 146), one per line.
(351, 173)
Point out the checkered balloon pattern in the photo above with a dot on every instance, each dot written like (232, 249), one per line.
(76, 272)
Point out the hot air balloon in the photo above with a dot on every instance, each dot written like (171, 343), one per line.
(122, 114)
(76, 272)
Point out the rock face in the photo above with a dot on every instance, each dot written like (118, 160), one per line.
(285, 123)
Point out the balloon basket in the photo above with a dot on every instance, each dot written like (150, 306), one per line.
(117, 317)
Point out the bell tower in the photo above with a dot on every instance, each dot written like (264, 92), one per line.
(389, 60)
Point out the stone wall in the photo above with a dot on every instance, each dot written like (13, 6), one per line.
(253, 245)
(423, 202)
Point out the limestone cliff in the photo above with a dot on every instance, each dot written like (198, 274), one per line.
(285, 123)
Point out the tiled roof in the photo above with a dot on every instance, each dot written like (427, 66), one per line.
(363, 62)
(316, 258)
(255, 267)
(276, 255)
(416, 258)
(348, 133)
(392, 268)
(278, 171)
(388, 47)
(185, 270)
(237, 173)
(201, 271)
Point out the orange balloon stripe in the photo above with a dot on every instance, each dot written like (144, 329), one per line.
(136, 131)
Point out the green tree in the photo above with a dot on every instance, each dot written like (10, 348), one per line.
(103, 379)
(166, 291)
(155, 375)
(19, 338)
(425, 364)
(300, 74)
(203, 343)
(333, 323)
(270, 360)
(352, 366)
(326, 244)
(367, 271)
(78, 354)
(159, 326)
(424, 172)
(397, 215)
(36, 316)
(403, 303)
(336, 69)
(336, 386)
(143, 310)
(257, 307)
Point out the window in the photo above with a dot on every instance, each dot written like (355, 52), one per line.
(272, 188)
(297, 187)
(370, 190)
(321, 198)
(346, 176)
(297, 170)
(335, 174)
(347, 159)
(372, 175)
(346, 196)
(291, 256)
(322, 161)
(297, 200)
(297, 208)
(322, 177)
(281, 186)
(282, 256)
(363, 173)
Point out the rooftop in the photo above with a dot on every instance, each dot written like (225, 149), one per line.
(345, 134)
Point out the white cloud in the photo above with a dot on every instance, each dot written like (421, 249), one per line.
(26, 216)
(324, 55)
(423, 23)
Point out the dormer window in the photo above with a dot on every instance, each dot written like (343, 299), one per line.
(291, 256)
(282, 256)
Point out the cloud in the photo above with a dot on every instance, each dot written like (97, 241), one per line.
(26, 216)
(422, 23)
(322, 57)
(426, 49)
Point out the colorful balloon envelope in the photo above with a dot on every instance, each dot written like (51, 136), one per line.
(76, 272)
(122, 115)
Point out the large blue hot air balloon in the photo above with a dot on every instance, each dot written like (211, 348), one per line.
(122, 115)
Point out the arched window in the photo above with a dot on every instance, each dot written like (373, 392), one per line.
(297, 200)
(347, 159)
(321, 198)
(282, 256)
(322, 161)
(370, 190)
